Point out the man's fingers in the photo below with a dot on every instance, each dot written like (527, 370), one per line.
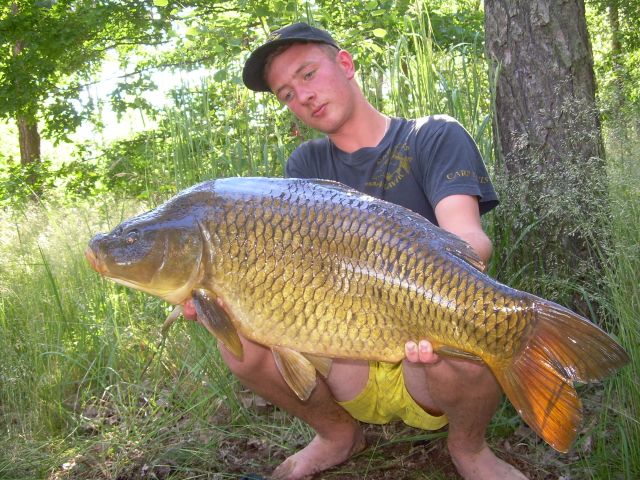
(425, 352)
(411, 351)
(421, 352)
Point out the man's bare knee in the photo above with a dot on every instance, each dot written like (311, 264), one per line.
(470, 369)
(474, 374)
(256, 359)
(439, 386)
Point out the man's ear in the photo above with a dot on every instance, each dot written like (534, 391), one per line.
(345, 60)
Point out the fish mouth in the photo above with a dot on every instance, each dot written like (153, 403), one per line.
(94, 262)
(171, 295)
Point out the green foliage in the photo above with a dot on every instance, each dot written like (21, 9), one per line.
(22, 183)
(616, 39)
(553, 219)
(49, 48)
(629, 12)
(618, 438)
(129, 167)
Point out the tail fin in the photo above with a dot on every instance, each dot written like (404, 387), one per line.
(564, 347)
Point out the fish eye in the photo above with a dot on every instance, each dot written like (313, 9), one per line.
(132, 237)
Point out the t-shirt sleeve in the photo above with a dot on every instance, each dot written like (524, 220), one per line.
(452, 165)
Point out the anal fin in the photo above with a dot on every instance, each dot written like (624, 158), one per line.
(213, 316)
(322, 364)
(297, 371)
(450, 351)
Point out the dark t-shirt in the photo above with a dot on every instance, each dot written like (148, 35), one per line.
(416, 164)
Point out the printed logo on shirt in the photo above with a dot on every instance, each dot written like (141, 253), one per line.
(391, 168)
(467, 173)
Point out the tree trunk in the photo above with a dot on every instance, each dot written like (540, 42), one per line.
(28, 135)
(546, 68)
(29, 141)
(547, 130)
(614, 25)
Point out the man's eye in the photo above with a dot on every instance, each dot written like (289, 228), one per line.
(309, 75)
(287, 97)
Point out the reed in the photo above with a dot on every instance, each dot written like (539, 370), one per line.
(225, 130)
(87, 384)
(616, 449)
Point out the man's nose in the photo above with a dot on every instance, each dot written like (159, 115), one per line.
(306, 95)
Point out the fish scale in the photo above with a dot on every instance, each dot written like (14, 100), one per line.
(361, 247)
(313, 270)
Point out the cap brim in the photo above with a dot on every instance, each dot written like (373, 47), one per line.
(252, 74)
(253, 71)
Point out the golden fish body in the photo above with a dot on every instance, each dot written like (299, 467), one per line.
(340, 274)
(316, 270)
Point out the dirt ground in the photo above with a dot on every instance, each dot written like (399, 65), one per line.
(386, 459)
(216, 449)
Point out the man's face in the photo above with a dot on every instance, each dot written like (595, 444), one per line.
(313, 85)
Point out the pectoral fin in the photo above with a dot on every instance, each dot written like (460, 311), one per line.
(297, 371)
(171, 318)
(213, 316)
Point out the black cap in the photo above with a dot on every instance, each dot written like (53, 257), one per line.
(253, 72)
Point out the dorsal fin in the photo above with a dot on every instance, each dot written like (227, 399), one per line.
(459, 248)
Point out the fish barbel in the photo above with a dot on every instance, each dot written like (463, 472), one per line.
(315, 270)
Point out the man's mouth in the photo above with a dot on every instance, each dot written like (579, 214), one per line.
(318, 111)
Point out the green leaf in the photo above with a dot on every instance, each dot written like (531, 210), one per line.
(377, 49)
(161, 3)
(192, 32)
(379, 32)
(220, 75)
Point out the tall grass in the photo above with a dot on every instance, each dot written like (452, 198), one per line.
(418, 78)
(618, 437)
(75, 398)
(225, 130)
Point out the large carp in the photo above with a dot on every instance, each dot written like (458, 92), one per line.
(316, 271)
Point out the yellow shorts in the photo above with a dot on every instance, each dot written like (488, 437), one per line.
(385, 398)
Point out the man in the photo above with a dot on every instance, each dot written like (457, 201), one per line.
(430, 165)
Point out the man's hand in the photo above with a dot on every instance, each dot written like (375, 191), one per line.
(189, 310)
(421, 352)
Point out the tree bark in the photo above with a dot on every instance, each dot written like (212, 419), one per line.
(547, 133)
(545, 64)
(29, 140)
(28, 135)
